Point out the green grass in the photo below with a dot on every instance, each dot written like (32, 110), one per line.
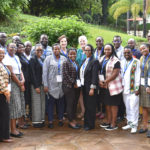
(15, 26)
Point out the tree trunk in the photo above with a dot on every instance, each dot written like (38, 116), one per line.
(128, 22)
(104, 11)
(144, 18)
(134, 27)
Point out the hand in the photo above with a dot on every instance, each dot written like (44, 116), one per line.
(148, 90)
(91, 92)
(7, 94)
(75, 86)
(22, 88)
(45, 89)
(37, 90)
(137, 92)
(105, 84)
(22, 82)
(101, 84)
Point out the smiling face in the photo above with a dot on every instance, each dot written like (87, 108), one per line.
(12, 49)
(56, 50)
(117, 42)
(88, 51)
(72, 55)
(99, 42)
(39, 51)
(127, 54)
(28, 47)
(144, 50)
(3, 38)
(63, 43)
(2, 54)
(108, 50)
(20, 48)
(83, 43)
(44, 40)
(131, 43)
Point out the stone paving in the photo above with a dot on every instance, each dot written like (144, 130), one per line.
(64, 138)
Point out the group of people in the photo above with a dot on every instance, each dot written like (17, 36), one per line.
(36, 78)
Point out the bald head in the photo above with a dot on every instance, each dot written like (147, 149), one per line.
(131, 43)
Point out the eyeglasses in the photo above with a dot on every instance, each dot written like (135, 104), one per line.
(39, 50)
(13, 47)
(127, 52)
(87, 50)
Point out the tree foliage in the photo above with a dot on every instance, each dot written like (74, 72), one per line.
(9, 7)
(71, 26)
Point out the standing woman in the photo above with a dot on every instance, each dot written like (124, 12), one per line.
(37, 89)
(26, 71)
(4, 100)
(52, 79)
(16, 108)
(145, 86)
(70, 87)
(111, 85)
(89, 81)
(63, 45)
(81, 56)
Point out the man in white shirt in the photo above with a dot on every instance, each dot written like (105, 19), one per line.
(118, 47)
(131, 81)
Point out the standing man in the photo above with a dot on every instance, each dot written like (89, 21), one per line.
(136, 53)
(47, 50)
(119, 49)
(131, 82)
(3, 40)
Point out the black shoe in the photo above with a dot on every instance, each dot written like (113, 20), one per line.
(110, 128)
(50, 125)
(143, 131)
(38, 125)
(148, 134)
(60, 123)
(87, 128)
(16, 135)
(21, 133)
(73, 127)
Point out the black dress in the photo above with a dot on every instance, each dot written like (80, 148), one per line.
(106, 98)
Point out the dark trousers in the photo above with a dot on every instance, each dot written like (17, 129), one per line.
(121, 109)
(90, 109)
(99, 104)
(71, 96)
(27, 96)
(60, 107)
(4, 118)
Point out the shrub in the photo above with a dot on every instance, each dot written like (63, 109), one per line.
(71, 26)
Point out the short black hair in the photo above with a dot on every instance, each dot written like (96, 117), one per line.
(127, 47)
(56, 44)
(20, 43)
(117, 36)
(71, 49)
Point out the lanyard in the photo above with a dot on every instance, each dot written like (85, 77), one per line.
(40, 61)
(83, 67)
(45, 52)
(8, 72)
(59, 64)
(125, 69)
(16, 62)
(74, 64)
(97, 53)
(82, 57)
(103, 65)
(63, 53)
(25, 59)
(143, 64)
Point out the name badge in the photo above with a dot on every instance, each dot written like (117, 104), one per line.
(148, 81)
(101, 77)
(142, 81)
(82, 81)
(78, 83)
(9, 87)
(59, 78)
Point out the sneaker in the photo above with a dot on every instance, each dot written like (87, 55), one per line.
(104, 125)
(126, 127)
(110, 128)
(133, 130)
(50, 125)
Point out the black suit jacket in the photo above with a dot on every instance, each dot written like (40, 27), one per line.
(36, 72)
(91, 74)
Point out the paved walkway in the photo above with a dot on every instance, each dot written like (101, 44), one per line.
(64, 138)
